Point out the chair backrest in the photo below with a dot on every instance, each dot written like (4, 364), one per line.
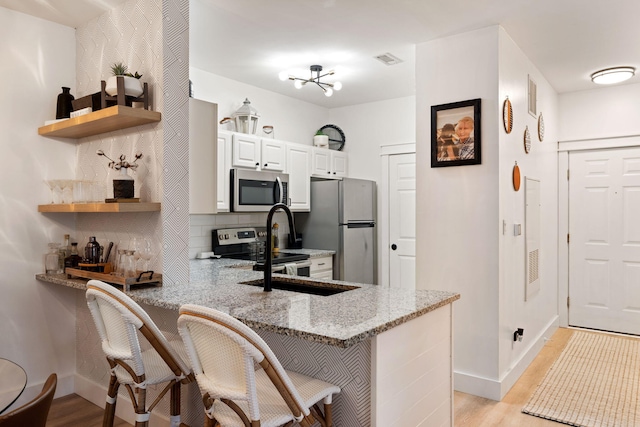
(118, 318)
(34, 413)
(222, 351)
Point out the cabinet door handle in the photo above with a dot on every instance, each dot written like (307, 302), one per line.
(394, 247)
(266, 164)
(257, 164)
(320, 263)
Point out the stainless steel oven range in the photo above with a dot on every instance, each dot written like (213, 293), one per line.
(241, 243)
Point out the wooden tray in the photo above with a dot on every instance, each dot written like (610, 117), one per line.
(144, 278)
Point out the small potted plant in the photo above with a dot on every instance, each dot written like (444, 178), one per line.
(123, 185)
(132, 85)
(321, 140)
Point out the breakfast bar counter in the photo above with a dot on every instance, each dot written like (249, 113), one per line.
(388, 349)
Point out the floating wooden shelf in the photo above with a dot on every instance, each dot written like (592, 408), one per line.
(100, 207)
(101, 121)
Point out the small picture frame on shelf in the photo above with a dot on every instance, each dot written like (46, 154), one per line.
(455, 134)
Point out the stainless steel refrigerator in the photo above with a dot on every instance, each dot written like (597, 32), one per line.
(342, 218)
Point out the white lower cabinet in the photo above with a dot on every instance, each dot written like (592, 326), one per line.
(299, 170)
(321, 268)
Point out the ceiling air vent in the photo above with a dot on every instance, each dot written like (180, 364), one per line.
(388, 59)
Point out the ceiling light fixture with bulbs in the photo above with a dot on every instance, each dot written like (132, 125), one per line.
(298, 82)
(612, 75)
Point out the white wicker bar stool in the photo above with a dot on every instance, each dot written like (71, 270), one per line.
(119, 319)
(222, 351)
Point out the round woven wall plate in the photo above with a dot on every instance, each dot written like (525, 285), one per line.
(527, 140)
(516, 177)
(507, 115)
(541, 128)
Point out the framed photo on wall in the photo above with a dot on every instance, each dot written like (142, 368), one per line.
(455, 134)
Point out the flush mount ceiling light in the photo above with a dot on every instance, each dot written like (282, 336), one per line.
(612, 75)
(298, 82)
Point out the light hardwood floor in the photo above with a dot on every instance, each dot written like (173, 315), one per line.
(470, 411)
(473, 411)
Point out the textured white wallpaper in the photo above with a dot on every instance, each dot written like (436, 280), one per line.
(151, 37)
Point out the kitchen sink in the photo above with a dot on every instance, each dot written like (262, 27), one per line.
(303, 286)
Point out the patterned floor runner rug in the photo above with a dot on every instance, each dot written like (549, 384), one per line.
(594, 383)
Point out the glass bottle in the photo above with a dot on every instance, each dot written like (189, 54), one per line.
(65, 251)
(52, 259)
(74, 258)
(92, 251)
(275, 240)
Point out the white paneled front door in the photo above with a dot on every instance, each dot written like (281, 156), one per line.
(402, 221)
(604, 248)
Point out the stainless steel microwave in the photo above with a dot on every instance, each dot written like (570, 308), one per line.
(258, 191)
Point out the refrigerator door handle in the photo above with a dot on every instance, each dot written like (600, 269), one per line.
(363, 224)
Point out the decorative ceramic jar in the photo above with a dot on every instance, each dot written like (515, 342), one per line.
(123, 185)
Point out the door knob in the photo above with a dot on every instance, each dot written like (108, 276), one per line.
(394, 247)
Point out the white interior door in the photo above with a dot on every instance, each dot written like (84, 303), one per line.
(402, 221)
(604, 248)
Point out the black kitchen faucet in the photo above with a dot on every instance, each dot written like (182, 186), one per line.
(268, 255)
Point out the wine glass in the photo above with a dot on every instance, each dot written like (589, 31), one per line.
(67, 190)
(135, 245)
(51, 185)
(145, 253)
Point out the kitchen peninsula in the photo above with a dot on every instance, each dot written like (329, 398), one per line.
(388, 349)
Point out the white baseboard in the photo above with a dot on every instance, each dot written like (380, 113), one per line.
(97, 394)
(497, 389)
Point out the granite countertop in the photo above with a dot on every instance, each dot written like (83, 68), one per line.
(341, 320)
(313, 253)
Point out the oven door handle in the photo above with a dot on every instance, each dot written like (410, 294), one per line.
(303, 264)
(277, 268)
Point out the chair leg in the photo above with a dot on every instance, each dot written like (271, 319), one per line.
(175, 405)
(110, 407)
(327, 415)
(141, 408)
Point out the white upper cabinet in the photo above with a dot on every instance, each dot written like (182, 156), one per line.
(257, 153)
(224, 167)
(339, 164)
(246, 151)
(299, 170)
(203, 128)
(329, 163)
(273, 155)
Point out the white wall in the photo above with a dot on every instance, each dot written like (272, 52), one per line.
(540, 311)
(369, 126)
(461, 245)
(293, 120)
(604, 112)
(37, 321)
(457, 207)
